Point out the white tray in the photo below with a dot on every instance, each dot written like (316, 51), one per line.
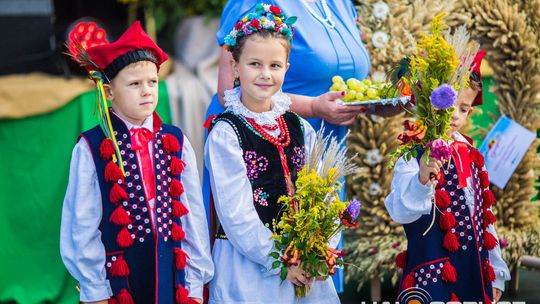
(388, 101)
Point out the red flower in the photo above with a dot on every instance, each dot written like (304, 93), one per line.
(238, 25)
(414, 131)
(275, 10)
(347, 220)
(255, 23)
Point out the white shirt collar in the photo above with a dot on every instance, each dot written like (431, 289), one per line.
(148, 123)
(280, 104)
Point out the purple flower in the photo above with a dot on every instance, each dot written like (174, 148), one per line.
(440, 149)
(443, 97)
(353, 208)
(503, 242)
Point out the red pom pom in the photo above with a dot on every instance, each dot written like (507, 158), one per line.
(119, 268)
(123, 239)
(401, 259)
(120, 217)
(489, 218)
(440, 179)
(182, 296)
(489, 273)
(178, 233)
(489, 240)
(124, 297)
(442, 199)
(112, 172)
(454, 298)
(178, 209)
(408, 282)
(176, 188)
(117, 194)
(112, 301)
(449, 273)
(450, 242)
(447, 220)
(477, 158)
(177, 165)
(489, 199)
(106, 149)
(180, 257)
(484, 179)
(275, 10)
(170, 143)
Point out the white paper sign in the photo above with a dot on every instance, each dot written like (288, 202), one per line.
(504, 148)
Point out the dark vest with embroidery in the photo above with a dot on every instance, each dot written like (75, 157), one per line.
(141, 258)
(446, 272)
(263, 164)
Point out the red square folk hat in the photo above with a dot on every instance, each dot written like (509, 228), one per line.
(478, 101)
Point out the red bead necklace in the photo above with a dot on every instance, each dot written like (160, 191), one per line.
(282, 140)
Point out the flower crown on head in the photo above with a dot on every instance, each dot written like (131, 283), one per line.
(267, 17)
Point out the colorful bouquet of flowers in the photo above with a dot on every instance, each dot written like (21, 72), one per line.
(315, 214)
(435, 74)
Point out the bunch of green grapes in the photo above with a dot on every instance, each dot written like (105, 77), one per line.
(361, 90)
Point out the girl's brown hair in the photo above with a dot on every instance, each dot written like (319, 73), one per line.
(263, 33)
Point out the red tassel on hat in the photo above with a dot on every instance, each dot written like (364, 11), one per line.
(119, 268)
(124, 297)
(176, 188)
(442, 199)
(489, 199)
(180, 257)
(178, 209)
(454, 298)
(489, 218)
(449, 273)
(489, 273)
(401, 259)
(170, 143)
(117, 194)
(120, 217)
(112, 172)
(123, 239)
(450, 241)
(177, 165)
(178, 233)
(106, 149)
(489, 240)
(447, 220)
(484, 179)
(408, 282)
(182, 296)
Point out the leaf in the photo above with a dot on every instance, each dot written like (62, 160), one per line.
(276, 264)
(283, 273)
(275, 255)
(291, 20)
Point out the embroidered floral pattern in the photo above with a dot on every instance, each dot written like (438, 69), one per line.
(260, 197)
(298, 158)
(254, 164)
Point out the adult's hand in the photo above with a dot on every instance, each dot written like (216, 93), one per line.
(325, 107)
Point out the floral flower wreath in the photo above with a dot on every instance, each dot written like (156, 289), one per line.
(268, 17)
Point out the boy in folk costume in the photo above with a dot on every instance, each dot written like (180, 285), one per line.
(459, 258)
(133, 223)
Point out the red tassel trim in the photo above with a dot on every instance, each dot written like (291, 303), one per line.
(489, 218)
(401, 259)
(119, 268)
(408, 282)
(209, 121)
(454, 298)
(120, 217)
(447, 220)
(170, 143)
(177, 165)
(112, 301)
(440, 179)
(182, 296)
(123, 239)
(489, 199)
(450, 241)
(449, 273)
(489, 240)
(484, 179)
(106, 149)
(180, 257)
(117, 194)
(124, 297)
(489, 273)
(178, 209)
(442, 199)
(112, 172)
(178, 233)
(477, 158)
(176, 188)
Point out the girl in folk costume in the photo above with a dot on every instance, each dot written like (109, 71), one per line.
(133, 224)
(459, 258)
(253, 154)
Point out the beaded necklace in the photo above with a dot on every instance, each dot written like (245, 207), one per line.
(327, 21)
(283, 140)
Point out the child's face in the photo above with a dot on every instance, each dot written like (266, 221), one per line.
(462, 110)
(261, 69)
(134, 91)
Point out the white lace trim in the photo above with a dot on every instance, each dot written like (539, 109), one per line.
(280, 104)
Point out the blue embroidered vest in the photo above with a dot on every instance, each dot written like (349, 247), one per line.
(142, 258)
(263, 164)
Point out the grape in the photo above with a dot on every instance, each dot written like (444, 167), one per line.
(362, 90)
